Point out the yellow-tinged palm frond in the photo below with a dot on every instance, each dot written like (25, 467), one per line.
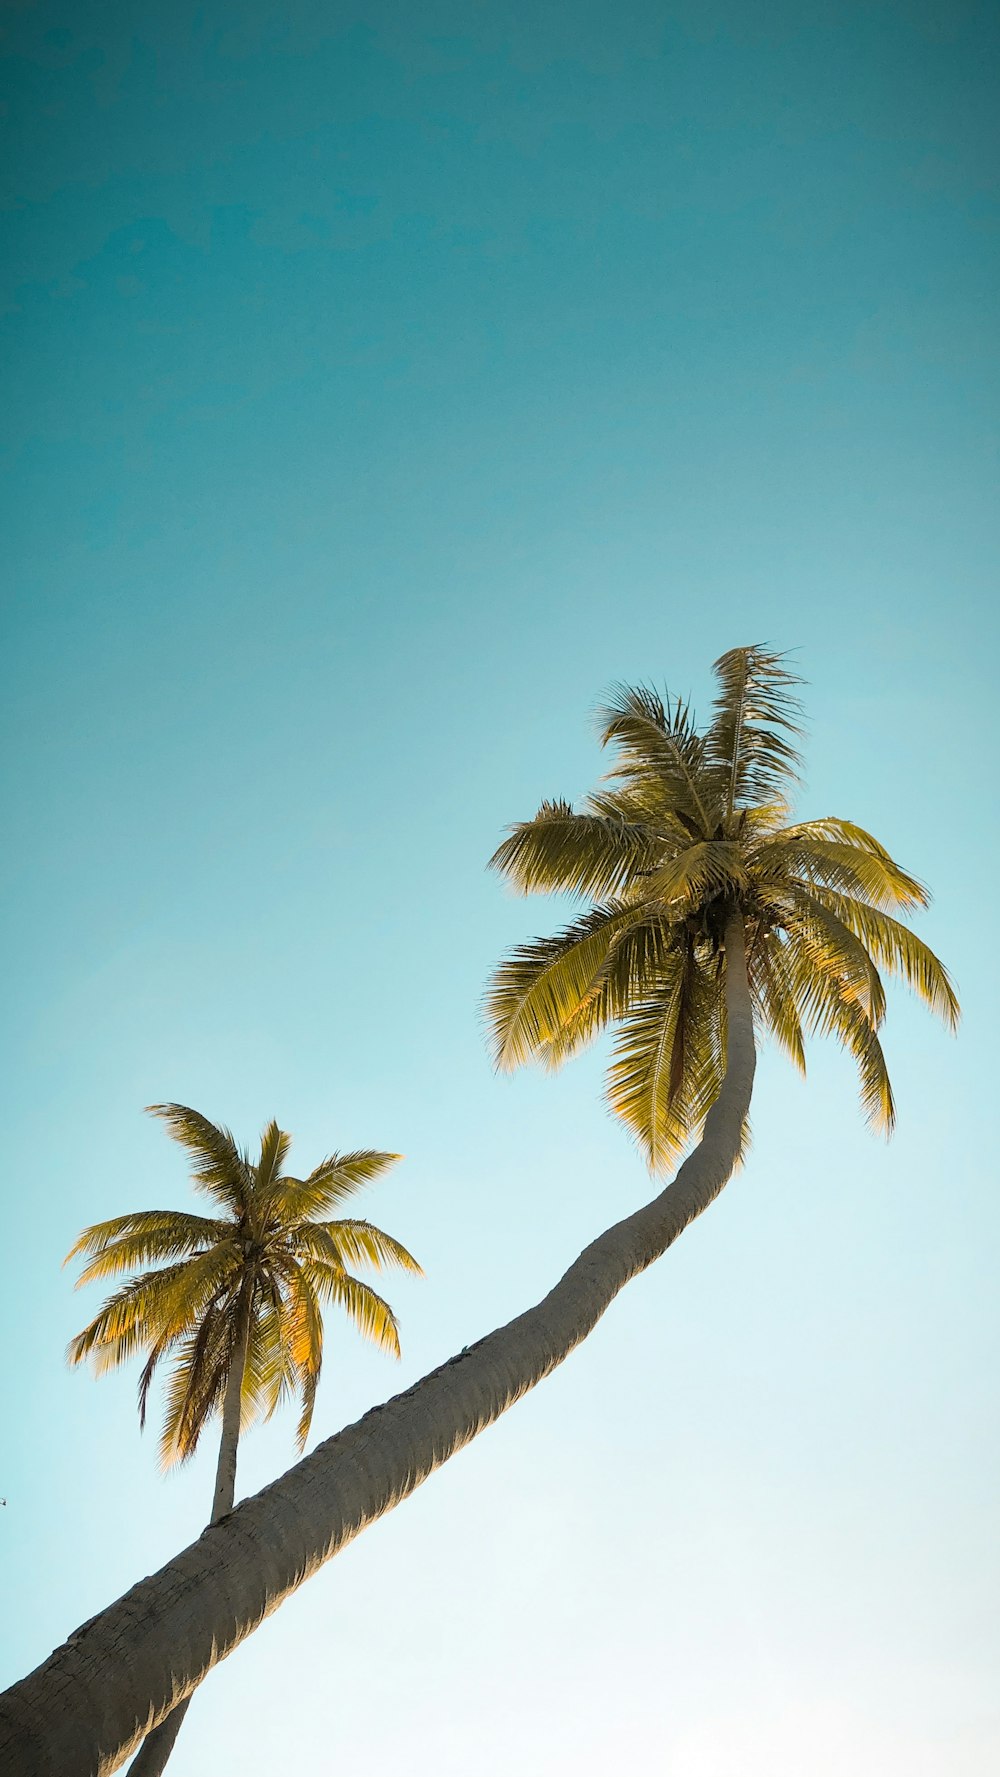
(850, 869)
(270, 1377)
(353, 1243)
(153, 1305)
(371, 1315)
(642, 804)
(830, 945)
(331, 1182)
(666, 1066)
(539, 986)
(752, 739)
(828, 1011)
(638, 961)
(706, 870)
(196, 1385)
(775, 1009)
(899, 951)
(126, 1242)
(220, 1169)
(563, 852)
(305, 1337)
(274, 1146)
(661, 756)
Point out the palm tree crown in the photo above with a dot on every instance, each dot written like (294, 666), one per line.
(247, 1283)
(690, 827)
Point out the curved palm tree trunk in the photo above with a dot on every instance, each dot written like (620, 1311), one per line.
(157, 1746)
(81, 1713)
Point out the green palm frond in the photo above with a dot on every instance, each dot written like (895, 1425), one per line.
(274, 1146)
(774, 996)
(899, 952)
(128, 1241)
(639, 959)
(371, 1315)
(666, 1066)
(353, 1243)
(850, 869)
(752, 739)
(220, 1169)
(540, 985)
(579, 854)
(661, 756)
(830, 945)
(704, 871)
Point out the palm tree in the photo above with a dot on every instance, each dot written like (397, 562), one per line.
(234, 1303)
(714, 919)
(688, 855)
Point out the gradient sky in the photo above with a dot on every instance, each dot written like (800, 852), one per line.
(381, 383)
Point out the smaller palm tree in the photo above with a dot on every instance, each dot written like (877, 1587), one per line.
(234, 1302)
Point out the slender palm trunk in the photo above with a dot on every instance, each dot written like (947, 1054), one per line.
(82, 1712)
(157, 1746)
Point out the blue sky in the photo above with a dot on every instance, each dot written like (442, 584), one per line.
(379, 388)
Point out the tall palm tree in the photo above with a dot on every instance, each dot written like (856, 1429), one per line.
(233, 1302)
(714, 919)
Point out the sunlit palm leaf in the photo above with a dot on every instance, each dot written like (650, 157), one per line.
(129, 1241)
(579, 854)
(220, 1169)
(540, 985)
(371, 1315)
(900, 952)
(353, 1243)
(657, 743)
(752, 739)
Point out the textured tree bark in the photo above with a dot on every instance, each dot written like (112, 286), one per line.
(155, 1750)
(84, 1710)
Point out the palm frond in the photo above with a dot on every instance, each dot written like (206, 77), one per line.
(666, 1068)
(220, 1169)
(371, 1315)
(642, 955)
(850, 869)
(774, 996)
(274, 1146)
(125, 1242)
(541, 984)
(156, 1304)
(657, 743)
(305, 1324)
(561, 851)
(830, 1012)
(899, 951)
(269, 1374)
(196, 1385)
(705, 869)
(812, 927)
(353, 1243)
(751, 741)
(336, 1178)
